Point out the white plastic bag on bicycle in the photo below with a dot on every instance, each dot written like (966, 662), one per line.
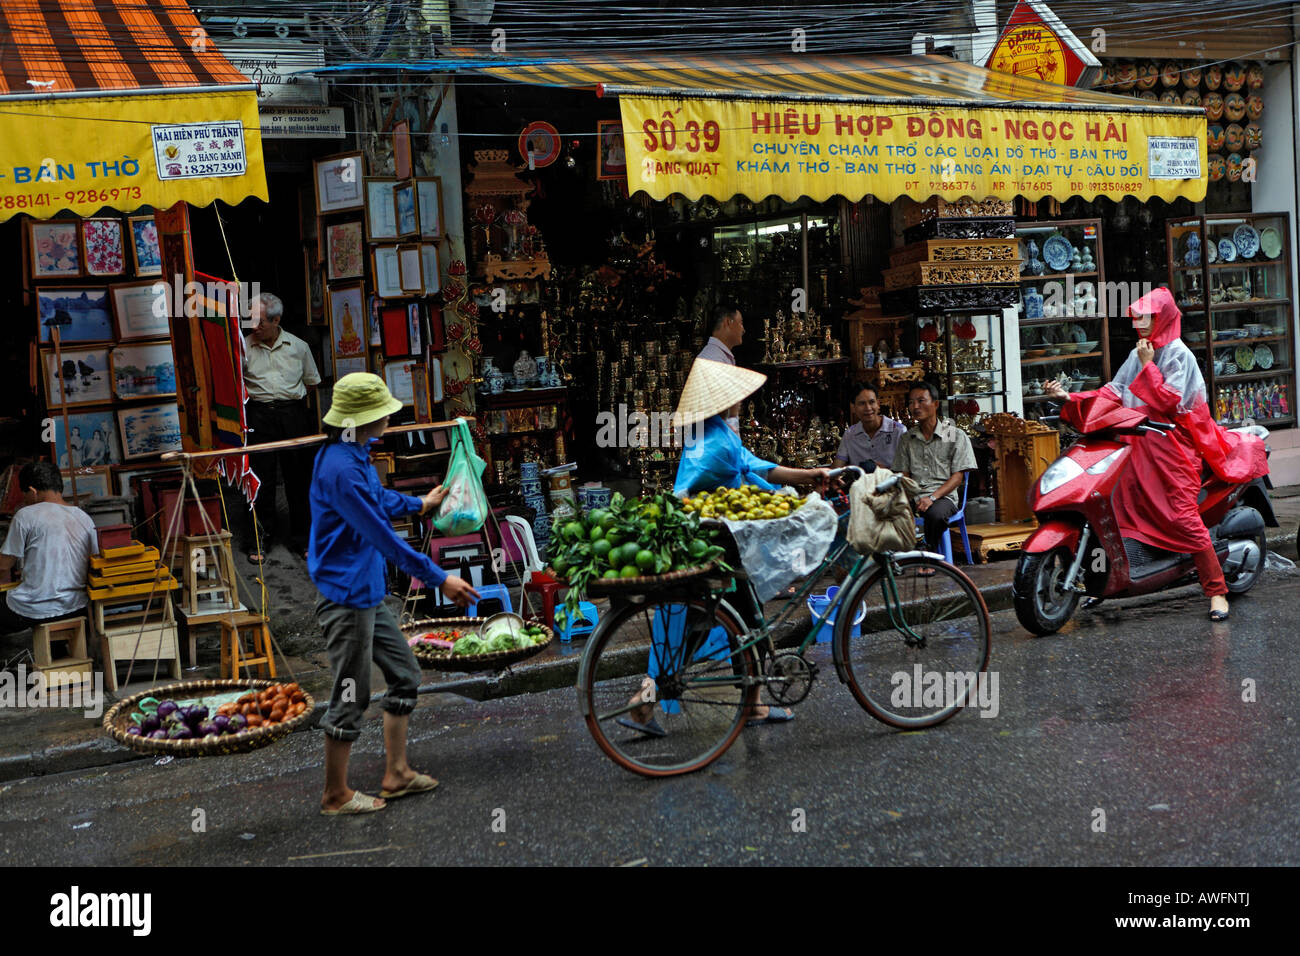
(883, 522)
(777, 551)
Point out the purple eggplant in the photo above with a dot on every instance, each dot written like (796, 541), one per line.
(180, 732)
(167, 708)
(207, 728)
(197, 713)
(133, 731)
(150, 723)
(222, 722)
(158, 735)
(237, 723)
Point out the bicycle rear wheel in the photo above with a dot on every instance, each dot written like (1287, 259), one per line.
(919, 665)
(677, 663)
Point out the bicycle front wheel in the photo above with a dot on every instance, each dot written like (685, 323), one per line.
(912, 649)
(675, 669)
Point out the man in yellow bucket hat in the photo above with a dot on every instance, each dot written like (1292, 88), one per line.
(351, 535)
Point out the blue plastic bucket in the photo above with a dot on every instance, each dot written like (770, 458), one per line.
(820, 604)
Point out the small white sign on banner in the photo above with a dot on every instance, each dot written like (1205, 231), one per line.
(1174, 157)
(302, 122)
(200, 150)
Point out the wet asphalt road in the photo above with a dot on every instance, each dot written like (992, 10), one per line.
(1135, 713)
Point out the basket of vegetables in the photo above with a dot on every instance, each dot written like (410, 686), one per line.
(476, 644)
(634, 545)
(207, 718)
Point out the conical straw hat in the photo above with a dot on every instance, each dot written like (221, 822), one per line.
(713, 387)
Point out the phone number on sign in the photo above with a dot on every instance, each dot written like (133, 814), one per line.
(71, 197)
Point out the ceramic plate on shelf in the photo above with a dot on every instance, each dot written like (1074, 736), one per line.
(1211, 253)
(1246, 239)
(1270, 242)
(1227, 250)
(1245, 356)
(1076, 333)
(1263, 357)
(1057, 252)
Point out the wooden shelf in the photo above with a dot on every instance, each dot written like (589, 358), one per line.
(1251, 376)
(1052, 276)
(1228, 343)
(1064, 356)
(1062, 320)
(802, 363)
(1266, 422)
(1239, 264)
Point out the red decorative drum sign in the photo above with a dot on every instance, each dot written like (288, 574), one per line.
(539, 144)
(1037, 44)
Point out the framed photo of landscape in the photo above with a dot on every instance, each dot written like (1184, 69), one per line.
(86, 376)
(80, 313)
(339, 182)
(143, 370)
(141, 309)
(149, 430)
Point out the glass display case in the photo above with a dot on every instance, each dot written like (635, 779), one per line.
(1231, 278)
(761, 263)
(1065, 301)
(962, 349)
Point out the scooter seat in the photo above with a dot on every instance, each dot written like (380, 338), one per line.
(1145, 560)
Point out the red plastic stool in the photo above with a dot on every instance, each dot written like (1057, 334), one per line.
(547, 586)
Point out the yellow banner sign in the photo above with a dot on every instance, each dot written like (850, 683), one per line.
(757, 149)
(82, 154)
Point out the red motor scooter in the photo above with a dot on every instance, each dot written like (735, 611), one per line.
(1077, 549)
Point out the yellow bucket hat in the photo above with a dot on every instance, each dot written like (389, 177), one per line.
(359, 399)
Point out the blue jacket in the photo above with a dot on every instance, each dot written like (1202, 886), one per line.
(351, 532)
(715, 457)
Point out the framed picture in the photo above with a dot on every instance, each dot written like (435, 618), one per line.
(346, 366)
(80, 313)
(143, 370)
(127, 476)
(344, 250)
(612, 161)
(428, 195)
(402, 149)
(145, 252)
(397, 376)
(408, 219)
(56, 250)
(90, 439)
(348, 321)
(104, 247)
(381, 209)
(315, 277)
(429, 268)
(91, 483)
(86, 377)
(376, 335)
(149, 430)
(420, 393)
(414, 334)
(141, 310)
(396, 332)
(388, 277)
(435, 378)
(437, 333)
(410, 272)
(339, 180)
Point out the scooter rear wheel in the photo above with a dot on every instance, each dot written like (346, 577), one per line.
(1042, 605)
(1244, 581)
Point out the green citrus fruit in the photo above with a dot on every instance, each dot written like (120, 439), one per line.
(596, 533)
(629, 571)
(645, 559)
(614, 536)
(559, 566)
(575, 530)
(601, 549)
(601, 518)
(627, 553)
(611, 573)
(697, 548)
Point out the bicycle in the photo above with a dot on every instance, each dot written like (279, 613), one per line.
(702, 663)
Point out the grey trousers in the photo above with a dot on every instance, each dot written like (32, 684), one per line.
(354, 638)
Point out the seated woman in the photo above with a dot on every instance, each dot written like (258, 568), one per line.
(714, 457)
(1162, 377)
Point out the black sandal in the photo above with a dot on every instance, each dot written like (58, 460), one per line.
(1218, 615)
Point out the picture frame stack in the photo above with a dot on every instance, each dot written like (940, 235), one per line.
(104, 348)
(376, 259)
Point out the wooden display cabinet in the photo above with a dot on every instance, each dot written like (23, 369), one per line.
(1235, 296)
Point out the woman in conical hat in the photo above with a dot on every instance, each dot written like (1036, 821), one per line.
(712, 454)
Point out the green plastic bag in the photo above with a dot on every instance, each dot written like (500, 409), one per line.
(465, 508)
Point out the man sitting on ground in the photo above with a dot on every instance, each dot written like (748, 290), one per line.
(54, 541)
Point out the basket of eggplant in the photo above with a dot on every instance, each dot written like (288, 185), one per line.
(208, 718)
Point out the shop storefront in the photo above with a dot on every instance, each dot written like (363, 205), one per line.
(96, 136)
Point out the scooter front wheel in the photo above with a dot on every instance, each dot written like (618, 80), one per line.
(1041, 601)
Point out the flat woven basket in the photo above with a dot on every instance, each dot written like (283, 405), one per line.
(647, 582)
(118, 719)
(468, 663)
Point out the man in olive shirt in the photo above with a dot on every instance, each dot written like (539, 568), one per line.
(278, 371)
(936, 455)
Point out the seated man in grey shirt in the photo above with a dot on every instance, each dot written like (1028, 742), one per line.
(936, 454)
(873, 437)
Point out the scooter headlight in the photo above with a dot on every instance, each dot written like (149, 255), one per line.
(1103, 466)
(1057, 474)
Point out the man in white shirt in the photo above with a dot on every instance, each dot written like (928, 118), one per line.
(54, 541)
(728, 331)
(278, 371)
(873, 437)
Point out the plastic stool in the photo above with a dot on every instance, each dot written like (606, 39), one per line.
(545, 585)
(818, 604)
(581, 625)
(491, 592)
